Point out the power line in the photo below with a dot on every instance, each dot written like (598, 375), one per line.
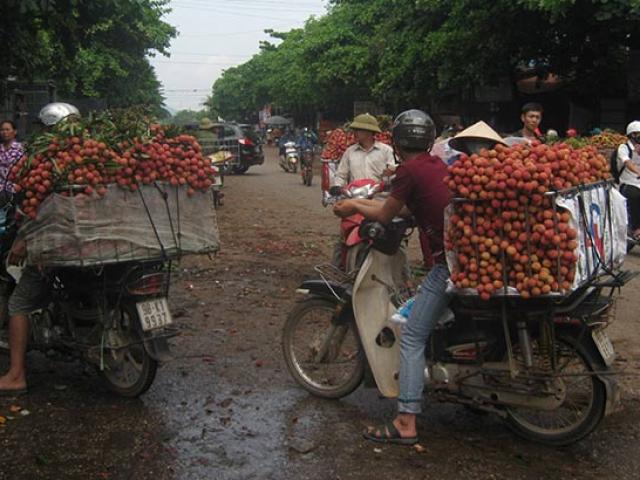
(253, 5)
(177, 62)
(213, 54)
(231, 33)
(252, 2)
(227, 12)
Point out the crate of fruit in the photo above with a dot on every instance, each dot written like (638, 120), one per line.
(532, 221)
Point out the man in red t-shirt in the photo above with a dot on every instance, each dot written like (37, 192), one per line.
(418, 188)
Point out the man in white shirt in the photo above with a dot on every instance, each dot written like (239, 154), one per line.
(367, 158)
(629, 171)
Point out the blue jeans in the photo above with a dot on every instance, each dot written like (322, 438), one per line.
(430, 304)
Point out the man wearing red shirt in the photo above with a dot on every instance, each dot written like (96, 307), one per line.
(418, 188)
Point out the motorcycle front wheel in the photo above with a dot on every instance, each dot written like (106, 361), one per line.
(584, 402)
(323, 356)
(128, 370)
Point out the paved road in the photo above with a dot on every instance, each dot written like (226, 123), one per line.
(226, 408)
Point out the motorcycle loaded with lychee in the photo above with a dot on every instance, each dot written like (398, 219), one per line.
(105, 206)
(534, 268)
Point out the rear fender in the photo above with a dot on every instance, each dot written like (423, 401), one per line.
(156, 343)
(582, 335)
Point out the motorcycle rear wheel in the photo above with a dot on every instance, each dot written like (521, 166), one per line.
(566, 424)
(309, 329)
(129, 371)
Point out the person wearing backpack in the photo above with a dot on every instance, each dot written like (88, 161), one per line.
(626, 172)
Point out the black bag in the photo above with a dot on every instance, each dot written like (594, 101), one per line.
(613, 164)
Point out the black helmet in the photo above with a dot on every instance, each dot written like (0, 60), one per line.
(414, 130)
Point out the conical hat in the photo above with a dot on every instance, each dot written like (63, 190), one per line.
(480, 131)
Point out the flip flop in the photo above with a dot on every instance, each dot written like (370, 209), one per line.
(13, 392)
(388, 433)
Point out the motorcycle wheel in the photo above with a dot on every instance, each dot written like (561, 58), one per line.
(239, 170)
(583, 407)
(294, 168)
(308, 331)
(130, 371)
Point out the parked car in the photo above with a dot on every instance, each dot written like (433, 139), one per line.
(244, 146)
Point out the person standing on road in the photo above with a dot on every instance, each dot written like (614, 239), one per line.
(628, 162)
(531, 118)
(418, 189)
(10, 152)
(366, 159)
(419, 186)
(31, 291)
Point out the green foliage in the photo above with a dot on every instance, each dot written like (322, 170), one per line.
(91, 49)
(186, 117)
(399, 52)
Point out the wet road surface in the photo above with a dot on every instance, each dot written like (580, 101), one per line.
(226, 408)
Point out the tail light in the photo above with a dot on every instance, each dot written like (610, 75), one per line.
(148, 284)
(246, 142)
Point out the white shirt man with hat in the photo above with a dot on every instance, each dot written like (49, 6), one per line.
(366, 159)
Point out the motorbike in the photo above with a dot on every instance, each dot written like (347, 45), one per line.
(291, 158)
(115, 317)
(543, 366)
(306, 166)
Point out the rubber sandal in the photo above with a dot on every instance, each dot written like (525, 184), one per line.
(14, 392)
(388, 433)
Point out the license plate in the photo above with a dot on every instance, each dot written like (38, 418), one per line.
(217, 181)
(154, 313)
(605, 347)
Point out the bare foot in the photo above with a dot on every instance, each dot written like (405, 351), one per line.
(13, 382)
(406, 425)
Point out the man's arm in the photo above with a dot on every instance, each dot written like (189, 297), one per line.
(371, 209)
(624, 156)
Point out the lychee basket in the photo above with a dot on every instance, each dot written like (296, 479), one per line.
(597, 214)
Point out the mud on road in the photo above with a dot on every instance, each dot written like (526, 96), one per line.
(226, 408)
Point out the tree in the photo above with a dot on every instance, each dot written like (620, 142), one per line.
(401, 53)
(186, 117)
(91, 49)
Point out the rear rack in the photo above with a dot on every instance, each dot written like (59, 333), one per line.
(329, 273)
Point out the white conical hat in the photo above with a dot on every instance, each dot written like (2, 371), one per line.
(478, 130)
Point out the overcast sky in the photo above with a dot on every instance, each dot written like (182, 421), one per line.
(218, 34)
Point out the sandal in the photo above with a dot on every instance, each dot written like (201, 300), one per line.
(12, 392)
(388, 433)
